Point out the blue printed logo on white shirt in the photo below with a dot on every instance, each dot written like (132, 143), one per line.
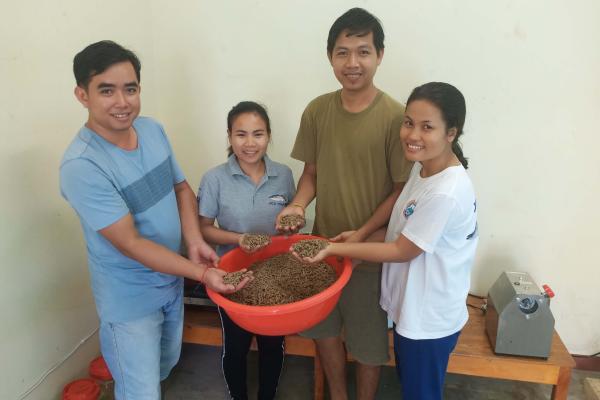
(409, 209)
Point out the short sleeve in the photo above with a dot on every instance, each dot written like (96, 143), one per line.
(305, 146)
(428, 221)
(291, 187)
(398, 165)
(91, 193)
(178, 175)
(208, 196)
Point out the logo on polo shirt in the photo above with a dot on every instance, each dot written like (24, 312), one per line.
(409, 209)
(278, 200)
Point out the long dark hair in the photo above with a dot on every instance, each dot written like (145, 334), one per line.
(244, 107)
(451, 103)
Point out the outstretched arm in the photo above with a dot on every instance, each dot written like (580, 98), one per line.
(198, 250)
(125, 237)
(401, 250)
(216, 235)
(305, 193)
(380, 217)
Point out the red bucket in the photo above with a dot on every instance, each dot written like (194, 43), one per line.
(81, 389)
(99, 370)
(282, 319)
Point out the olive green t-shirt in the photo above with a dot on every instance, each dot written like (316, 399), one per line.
(358, 157)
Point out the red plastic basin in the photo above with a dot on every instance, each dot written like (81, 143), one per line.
(285, 319)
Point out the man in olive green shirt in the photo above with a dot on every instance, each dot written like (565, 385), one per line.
(355, 167)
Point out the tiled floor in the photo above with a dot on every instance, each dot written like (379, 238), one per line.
(198, 376)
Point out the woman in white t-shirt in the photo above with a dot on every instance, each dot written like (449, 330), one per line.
(429, 244)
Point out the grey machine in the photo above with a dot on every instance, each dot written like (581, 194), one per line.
(518, 319)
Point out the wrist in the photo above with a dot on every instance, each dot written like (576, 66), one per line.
(193, 240)
(298, 205)
(202, 275)
(359, 235)
(330, 249)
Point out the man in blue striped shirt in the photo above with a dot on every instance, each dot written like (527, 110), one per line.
(134, 204)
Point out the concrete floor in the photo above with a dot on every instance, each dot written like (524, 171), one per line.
(198, 376)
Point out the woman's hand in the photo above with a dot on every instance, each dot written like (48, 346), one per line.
(213, 279)
(320, 256)
(245, 245)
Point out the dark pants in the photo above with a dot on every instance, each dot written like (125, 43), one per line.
(236, 344)
(421, 365)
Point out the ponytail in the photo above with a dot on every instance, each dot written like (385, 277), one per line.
(457, 149)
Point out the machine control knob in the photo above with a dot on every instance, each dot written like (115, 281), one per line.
(548, 292)
(528, 305)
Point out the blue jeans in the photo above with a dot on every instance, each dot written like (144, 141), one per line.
(142, 352)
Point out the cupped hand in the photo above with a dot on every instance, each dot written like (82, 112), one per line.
(200, 252)
(243, 245)
(213, 279)
(320, 256)
(289, 210)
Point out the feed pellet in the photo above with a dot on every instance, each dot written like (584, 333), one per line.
(234, 278)
(309, 247)
(283, 279)
(253, 241)
(291, 220)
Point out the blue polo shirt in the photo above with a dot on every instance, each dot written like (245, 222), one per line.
(238, 205)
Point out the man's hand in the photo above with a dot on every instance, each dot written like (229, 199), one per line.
(289, 210)
(213, 279)
(200, 252)
(346, 236)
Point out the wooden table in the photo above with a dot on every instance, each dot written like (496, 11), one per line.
(472, 356)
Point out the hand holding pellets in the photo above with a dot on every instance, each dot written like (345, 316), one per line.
(310, 250)
(251, 242)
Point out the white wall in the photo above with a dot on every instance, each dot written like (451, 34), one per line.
(529, 71)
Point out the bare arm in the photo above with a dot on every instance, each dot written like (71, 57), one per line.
(305, 193)
(198, 251)
(380, 217)
(401, 250)
(215, 235)
(125, 237)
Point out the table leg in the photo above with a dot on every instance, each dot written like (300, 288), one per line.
(319, 378)
(561, 389)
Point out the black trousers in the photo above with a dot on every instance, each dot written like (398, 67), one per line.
(236, 344)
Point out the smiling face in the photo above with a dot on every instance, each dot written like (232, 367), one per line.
(425, 137)
(355, 60)
(112, 99)
(249, 138)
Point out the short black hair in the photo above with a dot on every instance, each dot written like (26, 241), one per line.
(358, 22)
(244, 107)
(98, 57)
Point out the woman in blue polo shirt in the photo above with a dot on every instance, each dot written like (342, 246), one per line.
(244, 195)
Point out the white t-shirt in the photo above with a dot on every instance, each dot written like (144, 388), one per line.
(426, 297)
